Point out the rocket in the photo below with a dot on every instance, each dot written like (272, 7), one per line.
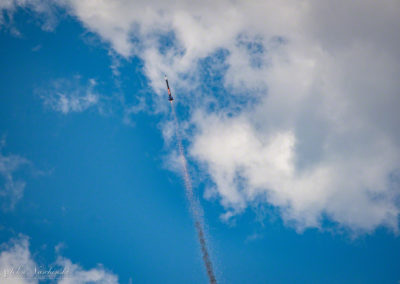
(170, 98)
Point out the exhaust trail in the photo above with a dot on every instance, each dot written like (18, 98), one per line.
(194, 206)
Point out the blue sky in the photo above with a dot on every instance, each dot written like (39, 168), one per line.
(294, 157)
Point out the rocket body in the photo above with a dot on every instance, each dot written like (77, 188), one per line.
(170, 98)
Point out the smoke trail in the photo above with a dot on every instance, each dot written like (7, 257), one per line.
(194, 206)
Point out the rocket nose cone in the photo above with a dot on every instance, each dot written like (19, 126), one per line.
(165, 77)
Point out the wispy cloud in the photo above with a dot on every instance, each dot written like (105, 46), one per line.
(11, 189)
(130, 110)
(45, 12)
(68, 96)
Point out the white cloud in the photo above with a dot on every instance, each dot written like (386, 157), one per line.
(68, 96)
(322, 139)
(11, 189)
(17, 266)
(349, 186)
(78, 275)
